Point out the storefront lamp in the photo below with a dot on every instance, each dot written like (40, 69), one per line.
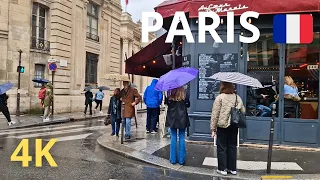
(144, 67)
(153, 62)
(180, 43)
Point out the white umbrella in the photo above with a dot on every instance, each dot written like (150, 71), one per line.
(237, 78)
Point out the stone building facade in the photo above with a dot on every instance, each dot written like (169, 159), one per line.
(83, 36)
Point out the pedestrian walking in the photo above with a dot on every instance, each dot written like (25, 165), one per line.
(114, 112)
(98, 99)
(42, 96)
(130, 98)
(88, 101)
(47, 102)
(226, 132)
(153, 99)
(4, 108)
(177, 120)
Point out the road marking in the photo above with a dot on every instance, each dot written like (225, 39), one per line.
(68, 138)
(49, 133)
(256, 165)
(276, 177)
(101, 120)
(42, 129)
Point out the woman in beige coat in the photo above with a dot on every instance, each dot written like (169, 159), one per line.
(227, 133)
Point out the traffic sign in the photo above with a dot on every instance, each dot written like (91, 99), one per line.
(51, 60)
(52, 66)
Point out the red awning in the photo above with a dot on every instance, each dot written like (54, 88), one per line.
(169, 7)
(149, 61)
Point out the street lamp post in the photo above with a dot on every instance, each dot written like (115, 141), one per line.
(18, 90)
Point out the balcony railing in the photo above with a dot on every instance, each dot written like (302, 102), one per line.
(40, 44)
(92, 36)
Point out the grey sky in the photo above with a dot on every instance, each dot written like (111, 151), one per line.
(136, 7)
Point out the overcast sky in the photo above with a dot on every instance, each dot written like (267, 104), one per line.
(136, 7)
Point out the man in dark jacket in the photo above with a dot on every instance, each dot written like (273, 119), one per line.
(153, 99)
(88, 102)
(4, 108)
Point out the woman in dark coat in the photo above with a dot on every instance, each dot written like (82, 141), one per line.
(88, 102)
(114, 112)
(177, 120)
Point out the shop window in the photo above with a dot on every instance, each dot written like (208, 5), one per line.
(39, 70)
(263, 64)
(92, 22)
(301, 89)
(91, 68)
(39, 28)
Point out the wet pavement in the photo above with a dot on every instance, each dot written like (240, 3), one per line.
(201, 155)
(78, 156)
(201, 159)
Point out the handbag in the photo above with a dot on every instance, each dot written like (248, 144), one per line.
(107, 120)
(237, 117)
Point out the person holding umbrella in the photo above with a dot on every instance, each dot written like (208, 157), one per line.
(177, 116)
(4, 101)
(221, 125)
(88, 100)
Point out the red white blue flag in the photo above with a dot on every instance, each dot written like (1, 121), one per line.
(293, 28)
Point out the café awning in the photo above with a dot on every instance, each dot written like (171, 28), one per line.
(169, 7)
(149, 61)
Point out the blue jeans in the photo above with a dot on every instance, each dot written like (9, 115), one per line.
(173, 146)
(128, 127)
(266, 111)
(115, 124)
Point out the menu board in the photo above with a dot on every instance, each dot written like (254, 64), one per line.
(209, 64)
(186, 60)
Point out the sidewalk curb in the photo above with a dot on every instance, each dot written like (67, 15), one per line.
(62, 120)
(157, 161)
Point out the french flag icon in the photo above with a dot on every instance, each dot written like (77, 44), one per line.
(293, 28)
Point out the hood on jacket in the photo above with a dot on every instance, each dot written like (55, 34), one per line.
(154, 82)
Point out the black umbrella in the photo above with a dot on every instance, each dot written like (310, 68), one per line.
(40, 80)
(102, 88)
(88, 88)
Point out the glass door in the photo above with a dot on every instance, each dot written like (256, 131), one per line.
(300, 99)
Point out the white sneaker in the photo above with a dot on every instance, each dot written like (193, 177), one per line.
(153, 132)
(46, 119)
(11, 123)
(222, 172)
(233, 172)
(101, 113)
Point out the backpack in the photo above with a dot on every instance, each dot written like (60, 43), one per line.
(42, 94)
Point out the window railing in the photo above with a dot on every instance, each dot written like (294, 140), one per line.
(92, 36)
(40, 44)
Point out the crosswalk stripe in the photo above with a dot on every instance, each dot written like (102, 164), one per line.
(42, 129)
(49, 133)
(68, 138)
(256, 165)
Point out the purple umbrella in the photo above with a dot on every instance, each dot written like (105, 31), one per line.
(176, 78)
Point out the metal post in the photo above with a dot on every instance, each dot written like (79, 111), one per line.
(123, 122)
(173, 55)
(274, 106)
(52, 109)
(18, 90)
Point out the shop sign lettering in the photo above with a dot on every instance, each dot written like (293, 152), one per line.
(222, 8)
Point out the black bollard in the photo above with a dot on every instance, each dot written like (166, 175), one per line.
(274, 106)
(123, 122)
